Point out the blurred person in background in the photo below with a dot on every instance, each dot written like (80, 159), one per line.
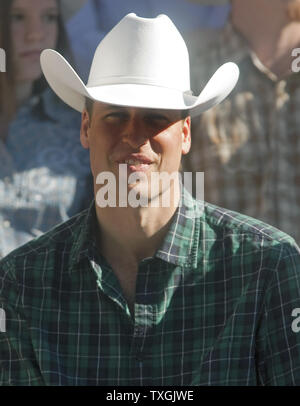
(42, 165)
(249, 146)
(96, 18)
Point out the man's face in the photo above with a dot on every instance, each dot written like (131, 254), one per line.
(146, 140)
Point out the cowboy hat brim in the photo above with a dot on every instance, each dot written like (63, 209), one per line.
(69, 87)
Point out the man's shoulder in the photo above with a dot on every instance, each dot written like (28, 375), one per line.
(224, 223)
(240, 244)
(56, 242)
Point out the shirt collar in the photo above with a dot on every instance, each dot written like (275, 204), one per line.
(180, 245)
(85, 241)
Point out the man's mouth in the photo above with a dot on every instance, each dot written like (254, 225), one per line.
(134, 164)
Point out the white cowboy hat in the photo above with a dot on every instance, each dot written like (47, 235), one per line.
(141, 62)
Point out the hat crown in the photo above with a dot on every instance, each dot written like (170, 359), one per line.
(148, 51)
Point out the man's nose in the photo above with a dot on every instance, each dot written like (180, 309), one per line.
(34, 29)
(135, 132)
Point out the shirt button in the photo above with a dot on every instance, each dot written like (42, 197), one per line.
(139, 356)
(6, 224)
(139, 331)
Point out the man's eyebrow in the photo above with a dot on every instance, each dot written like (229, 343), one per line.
(171, 114)
(114, 107)
(168, 114)
(158, 112)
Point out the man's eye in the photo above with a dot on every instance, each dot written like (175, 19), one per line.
(113, 117)
(157, 119)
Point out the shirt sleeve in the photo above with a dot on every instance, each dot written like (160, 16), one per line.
(18, 363)
(278, 343)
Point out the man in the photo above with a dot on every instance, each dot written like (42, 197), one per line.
(183, 293)
(249, 146)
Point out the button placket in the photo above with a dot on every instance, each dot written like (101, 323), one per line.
(139, 331)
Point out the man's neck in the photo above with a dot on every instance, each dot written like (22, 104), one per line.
(128, 235)
(269, 32)
(134, 233)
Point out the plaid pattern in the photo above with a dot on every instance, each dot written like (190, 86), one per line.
(249, 145)
(44, 171)
(213, 307)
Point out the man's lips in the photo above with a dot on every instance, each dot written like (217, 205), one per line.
(136, 162)
(134, 158)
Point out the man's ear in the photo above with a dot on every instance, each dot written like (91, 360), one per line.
(186, 135)
(84, 129)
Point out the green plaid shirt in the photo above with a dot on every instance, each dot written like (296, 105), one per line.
(214, 306)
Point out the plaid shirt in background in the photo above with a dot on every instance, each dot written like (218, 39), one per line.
(214, 306)
(249, 145)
